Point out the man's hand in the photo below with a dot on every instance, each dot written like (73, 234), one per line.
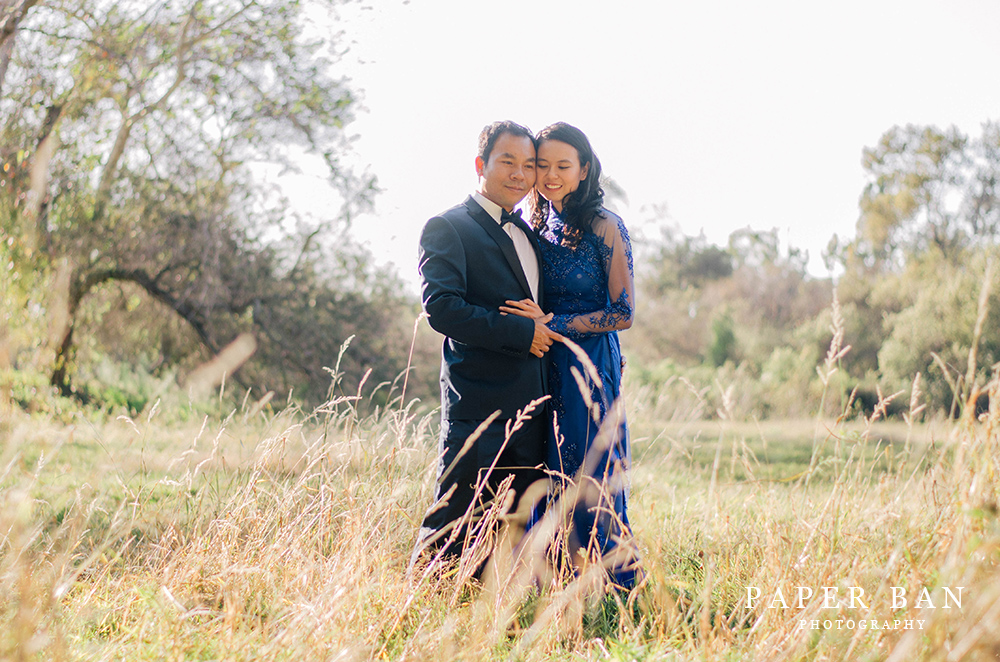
(544, 337)
(524, 308)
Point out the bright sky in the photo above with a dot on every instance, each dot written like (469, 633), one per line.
(733, 114)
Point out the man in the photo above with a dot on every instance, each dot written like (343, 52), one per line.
(473, 258)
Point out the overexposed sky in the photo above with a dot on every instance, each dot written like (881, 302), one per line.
(732, 114)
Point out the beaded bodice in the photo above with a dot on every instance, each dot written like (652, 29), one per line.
(588, 287)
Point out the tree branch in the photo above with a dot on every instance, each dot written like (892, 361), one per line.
(183, 47)
(125, 131)
(12, 18)
(146, 282)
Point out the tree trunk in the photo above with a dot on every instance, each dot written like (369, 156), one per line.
(62, 315)
(13, 14)
(81, 286)
(38, 191)
(110, 168)
(64, 354)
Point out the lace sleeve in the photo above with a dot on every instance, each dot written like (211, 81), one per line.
(615, 251)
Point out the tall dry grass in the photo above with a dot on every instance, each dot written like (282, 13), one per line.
(267, 535)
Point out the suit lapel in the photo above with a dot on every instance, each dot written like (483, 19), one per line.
(493, 229)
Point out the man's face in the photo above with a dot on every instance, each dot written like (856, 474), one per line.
(510, 172)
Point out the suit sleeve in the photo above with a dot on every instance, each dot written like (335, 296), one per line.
(444, 284)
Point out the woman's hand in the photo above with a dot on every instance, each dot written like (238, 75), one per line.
(524, 308)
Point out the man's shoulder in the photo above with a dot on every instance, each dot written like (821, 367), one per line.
(459, 217)
(457, 212)
(443, 230)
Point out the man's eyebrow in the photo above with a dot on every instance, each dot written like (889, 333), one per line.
(508, 155)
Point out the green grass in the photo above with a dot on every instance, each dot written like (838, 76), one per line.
(286, 535)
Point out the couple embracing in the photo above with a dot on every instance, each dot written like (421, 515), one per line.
(529, 309)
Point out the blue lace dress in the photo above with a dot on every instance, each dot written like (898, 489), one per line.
(589, 289)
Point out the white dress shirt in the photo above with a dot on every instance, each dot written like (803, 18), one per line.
(525, 251)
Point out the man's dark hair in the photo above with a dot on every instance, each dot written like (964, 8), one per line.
(491, 133)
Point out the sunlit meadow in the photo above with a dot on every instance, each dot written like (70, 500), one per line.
(264, 531)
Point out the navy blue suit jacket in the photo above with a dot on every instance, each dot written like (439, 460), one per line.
(468, 269)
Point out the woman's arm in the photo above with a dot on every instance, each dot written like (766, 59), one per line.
(616, 256)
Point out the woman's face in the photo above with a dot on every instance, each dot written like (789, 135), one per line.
(558, 171)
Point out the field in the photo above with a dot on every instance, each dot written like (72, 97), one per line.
(260, 533)
(197, 198)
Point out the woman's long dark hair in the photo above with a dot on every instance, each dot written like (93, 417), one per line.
(581, 207)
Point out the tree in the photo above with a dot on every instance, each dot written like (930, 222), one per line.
(680, 261)
(130, 132)
(700, 302)
(927, 189)
(929, 210)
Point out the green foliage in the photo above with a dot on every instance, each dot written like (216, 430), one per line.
(129, 135)
(928, 227)
(928, 189)
(939, 320)
(701, 329)
(788, 384)
(722, 346)
(32, 392)
(680, 262)
(23, 322)
(909, 296)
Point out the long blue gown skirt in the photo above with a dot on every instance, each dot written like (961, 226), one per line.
(599, 516)
(576, 288)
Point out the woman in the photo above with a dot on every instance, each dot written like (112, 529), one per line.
(588, 285)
